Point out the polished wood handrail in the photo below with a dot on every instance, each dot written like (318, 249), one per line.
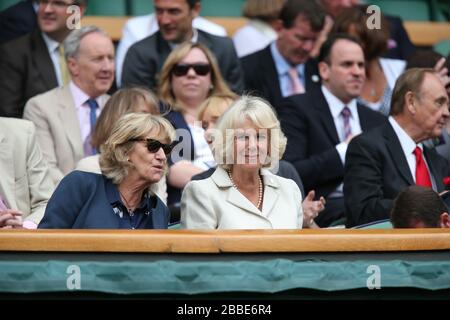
(421, 33)
(217, 241)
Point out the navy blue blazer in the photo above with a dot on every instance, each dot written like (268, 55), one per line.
(81, 202)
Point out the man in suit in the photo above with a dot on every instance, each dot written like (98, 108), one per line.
(25, 184)
(31, 64)
(384, 161)
(144, 59)
(18, 20)
(320, 124)
(65, 117)
(284, 67)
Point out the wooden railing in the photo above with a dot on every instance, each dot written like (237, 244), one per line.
(230, 241)
(421, 33)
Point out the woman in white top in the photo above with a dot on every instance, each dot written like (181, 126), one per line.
(242, 193)
(261, 28)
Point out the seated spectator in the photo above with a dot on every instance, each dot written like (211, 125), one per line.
(382, 162)
(34, 63)
(132, 159)
(123, 101)
(419, 207)
(210, 113)
(25, 183)
(138, 28)
(241, 193)
(190, 75)
(284, 67)
(65, 117)
(261, 29)
(381, 73)
(144, 59)
(431, 59)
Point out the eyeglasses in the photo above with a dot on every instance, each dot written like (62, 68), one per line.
(153, 145)
(60, 4)
(200, 69)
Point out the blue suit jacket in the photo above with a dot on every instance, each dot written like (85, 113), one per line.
(80, 202)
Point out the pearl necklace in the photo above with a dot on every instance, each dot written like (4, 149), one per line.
(260, 196)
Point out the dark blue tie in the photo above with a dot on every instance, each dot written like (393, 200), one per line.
(93, 105)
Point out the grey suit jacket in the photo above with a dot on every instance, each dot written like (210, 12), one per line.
(145, 59)
(25, 182)
(58, 129)
(214, 203)
(26, 70)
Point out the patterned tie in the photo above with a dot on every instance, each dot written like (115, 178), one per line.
(295, 84)
(346, 113)
(88, 149)
(65, 76)
(422, 174)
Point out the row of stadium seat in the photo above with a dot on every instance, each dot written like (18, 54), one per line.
(416, 10)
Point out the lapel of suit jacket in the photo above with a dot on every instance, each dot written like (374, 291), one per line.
(67, 114)
(432, 160)
(270, 76)
(7, 180)
(366, 121)
(222, 180)
(42, 61)
(163, 49)
(312, 78)
(271, 192)
(325, 116)
(395, 149)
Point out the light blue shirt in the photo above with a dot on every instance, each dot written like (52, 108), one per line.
(283, 67)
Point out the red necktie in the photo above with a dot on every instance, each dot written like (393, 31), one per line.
(422, 174)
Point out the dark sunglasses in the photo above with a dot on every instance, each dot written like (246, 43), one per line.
(153, 145)
(200, 69)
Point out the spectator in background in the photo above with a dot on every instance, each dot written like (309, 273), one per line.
(419, 207)
(319, 125)
(284, 67)
(381, 73)
(431, 59)
(209, 114)
(262, 27)
(65, 117)
(121, 102)
(35, 63)
(190, 75)
(132, 159)
(382, 162)
(25, 183)
(399, 45)
(18, 20)
(144, 59)
(138, 28)
(241, 193)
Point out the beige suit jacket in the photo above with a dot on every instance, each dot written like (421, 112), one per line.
(25, 182)
(214, 203)
(58, 129)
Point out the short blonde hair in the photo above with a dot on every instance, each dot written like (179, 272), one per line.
(262, 115)
(114, 157)
(121, 102)
(213, 104)
(165, 92)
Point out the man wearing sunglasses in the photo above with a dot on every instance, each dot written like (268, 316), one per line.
(144, 59)
(34, 63)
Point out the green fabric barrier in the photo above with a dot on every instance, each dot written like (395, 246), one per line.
(268, 276)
